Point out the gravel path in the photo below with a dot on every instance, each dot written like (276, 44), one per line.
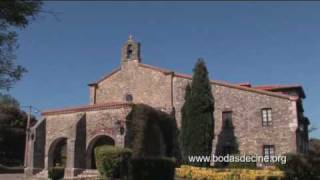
(12, 176)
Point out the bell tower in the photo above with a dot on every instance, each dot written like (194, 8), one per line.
(130, 51)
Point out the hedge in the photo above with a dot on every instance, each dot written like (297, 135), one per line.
(151, 133)
(191, 172)
(299, 166)
(153, 169)
(111, 161)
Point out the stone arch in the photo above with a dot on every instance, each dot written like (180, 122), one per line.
(100, 139)
(129, 51)
(57, 153)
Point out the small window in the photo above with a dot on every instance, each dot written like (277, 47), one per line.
(268, 150)
(129, 98)
(227, 119)
(266, 117)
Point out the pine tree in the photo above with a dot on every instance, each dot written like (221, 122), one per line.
(197, 116)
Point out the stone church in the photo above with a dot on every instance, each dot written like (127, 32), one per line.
(267, 120)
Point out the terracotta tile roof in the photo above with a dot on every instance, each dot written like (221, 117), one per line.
(278, 88)
(245, 84)
(86, 108)
(250, 89)
(274, 87)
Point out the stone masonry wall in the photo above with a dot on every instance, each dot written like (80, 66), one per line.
(103, 123)
(145, 85)
(158, 88)
(153, 87)
(82, 129)
(59, 127)
(246, 115)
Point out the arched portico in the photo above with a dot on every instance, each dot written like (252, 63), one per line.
(57, 154)
(96, 141)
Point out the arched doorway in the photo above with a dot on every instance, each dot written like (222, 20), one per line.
(95, 142)
(57, 156)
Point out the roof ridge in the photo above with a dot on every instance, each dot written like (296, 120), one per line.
(105, 76)
(90, 107)
(155, 68)
(277, 85)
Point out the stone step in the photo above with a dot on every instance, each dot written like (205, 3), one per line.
(89, 173)
(42, 173)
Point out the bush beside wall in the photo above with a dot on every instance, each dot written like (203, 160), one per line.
(299, 166)
(151, 133)
(112, 161)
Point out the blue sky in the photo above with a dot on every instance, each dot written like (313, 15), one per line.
(256, 42)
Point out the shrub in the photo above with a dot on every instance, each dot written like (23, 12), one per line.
(153, 169)
(56, 173)
(151, 133)
(298, 166)
(314, 155)
(112, 161)
(242, 165)
(143, 135)
(192, 172)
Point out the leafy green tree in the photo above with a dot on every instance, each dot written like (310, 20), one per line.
(12, 131)
(197, 115)
(7, 100)
(13, 14)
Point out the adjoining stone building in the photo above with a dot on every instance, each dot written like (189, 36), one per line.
(267, 119)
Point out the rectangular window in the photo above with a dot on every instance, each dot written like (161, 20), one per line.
(227, 119)
(266, 117)
(268, 150)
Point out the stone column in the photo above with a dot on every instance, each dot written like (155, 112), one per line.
(76, 147)
(35, 149)
(69, 171)
(28, 158)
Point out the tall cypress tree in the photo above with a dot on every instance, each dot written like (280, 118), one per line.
(185, 136)
(197, 115)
